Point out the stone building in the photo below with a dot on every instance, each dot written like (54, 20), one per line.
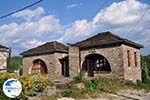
(4, 55)
(102, 54)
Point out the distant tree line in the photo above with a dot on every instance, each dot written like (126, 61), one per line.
(15, 64)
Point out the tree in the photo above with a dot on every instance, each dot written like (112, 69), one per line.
(145, 62)
(14, 64)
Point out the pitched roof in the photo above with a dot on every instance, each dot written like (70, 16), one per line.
(49, 47)
(105, 39)
(1, 46)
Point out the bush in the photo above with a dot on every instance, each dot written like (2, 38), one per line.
(143, 85)
(73, 91)
(79, 77)
(41, 82)
(145, 63)
(3, 78)
(30, 84)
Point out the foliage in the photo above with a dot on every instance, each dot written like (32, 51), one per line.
(73, 91)
(142, 85)
(28, 84)
(79, 77)
(94, 86)
(110, 84)
(41, 82)
(14, 64)
(3, 77)
(145, 62)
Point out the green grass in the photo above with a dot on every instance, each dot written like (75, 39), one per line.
(100, 85)
(94, 87)
(141, 85)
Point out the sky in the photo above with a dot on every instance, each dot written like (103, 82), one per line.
(70, 21)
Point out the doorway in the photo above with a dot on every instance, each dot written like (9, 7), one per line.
(95, 63)
(64, 66)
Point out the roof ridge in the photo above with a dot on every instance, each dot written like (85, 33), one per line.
(114, 35)
(54, 45)
(106, 38)
(1, 46)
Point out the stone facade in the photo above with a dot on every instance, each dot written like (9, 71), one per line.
(51, 60)
(4, 55)
(117, 58)
(113, 55)
(132, 72)
(74, 60)
(104, 52)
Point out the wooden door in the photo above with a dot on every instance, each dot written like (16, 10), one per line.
(90, 66)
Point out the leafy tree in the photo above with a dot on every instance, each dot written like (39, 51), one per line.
(14, 64)
(145, 62)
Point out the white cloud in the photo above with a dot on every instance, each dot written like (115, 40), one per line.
(30, 14)
(28, 34)
(73, 5)
(119, 18)
(32, 43)
(78, 30)
(125, 12)
(122, 17)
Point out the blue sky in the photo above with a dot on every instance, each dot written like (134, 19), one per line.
(69, 21)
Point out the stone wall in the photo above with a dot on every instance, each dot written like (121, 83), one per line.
(4, 54)
(74, 60)
(112, 54)
(51, 61)
(131, 72)
(58, 70)
(116, 56)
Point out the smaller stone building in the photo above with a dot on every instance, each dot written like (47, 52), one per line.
(4, 55)
(102, 54)
(49, 58)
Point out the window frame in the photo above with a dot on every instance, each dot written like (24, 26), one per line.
(129, 58)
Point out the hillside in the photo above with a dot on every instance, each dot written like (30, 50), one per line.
(15, 63)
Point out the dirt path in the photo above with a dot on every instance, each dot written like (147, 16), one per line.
(121, 95)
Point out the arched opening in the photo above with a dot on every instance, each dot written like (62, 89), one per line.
(39, 67)
(95, 63)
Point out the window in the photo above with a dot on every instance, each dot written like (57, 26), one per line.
(135, 58)
(129, 58)
(101, 64)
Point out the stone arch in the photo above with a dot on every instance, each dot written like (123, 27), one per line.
(95, 63)
(39, 67)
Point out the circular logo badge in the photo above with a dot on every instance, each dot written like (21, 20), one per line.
(12, 88)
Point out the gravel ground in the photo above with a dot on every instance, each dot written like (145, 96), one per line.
(121, 95)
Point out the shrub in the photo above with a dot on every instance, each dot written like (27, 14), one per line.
(27, 84)
(72, 91)
(3, 78)
(79, 77)
(30, 84)
(143, 85)
(41, 82)
(145, 63)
